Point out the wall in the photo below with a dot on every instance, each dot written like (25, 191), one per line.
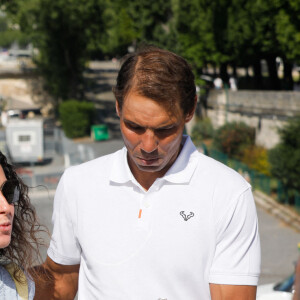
(266, 111)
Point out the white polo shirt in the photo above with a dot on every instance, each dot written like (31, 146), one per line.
(196, 225)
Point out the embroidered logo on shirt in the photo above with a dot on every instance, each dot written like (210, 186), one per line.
(186, 217)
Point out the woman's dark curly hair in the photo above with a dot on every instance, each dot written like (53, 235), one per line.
(24, 247)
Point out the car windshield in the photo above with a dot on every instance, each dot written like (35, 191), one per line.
(286, 285)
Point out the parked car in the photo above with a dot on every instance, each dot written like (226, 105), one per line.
(277, 291)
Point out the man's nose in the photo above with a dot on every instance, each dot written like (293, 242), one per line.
(149, 141)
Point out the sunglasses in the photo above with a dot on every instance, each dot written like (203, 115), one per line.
(10, 190)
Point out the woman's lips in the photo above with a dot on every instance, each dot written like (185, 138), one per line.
(5, 226)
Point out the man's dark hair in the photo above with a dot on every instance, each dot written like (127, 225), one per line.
(159, 75)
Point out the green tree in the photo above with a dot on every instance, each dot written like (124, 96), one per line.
(236, 33)
(201, 27)
(10, 33)
(64, 31)
(288, 35)
(285, 157)
(287, 28)
(130, 23)
(121, 30)
(151, 20)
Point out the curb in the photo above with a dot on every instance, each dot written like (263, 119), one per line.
(278, 210)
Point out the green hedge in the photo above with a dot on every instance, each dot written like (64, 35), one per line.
(285, 158)
(76, 117)
(203, 129)
(232, 138)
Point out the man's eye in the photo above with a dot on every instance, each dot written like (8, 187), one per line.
(165, 130)
(134, 127)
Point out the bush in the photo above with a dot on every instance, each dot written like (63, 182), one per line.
(285, 157)
(232, 139)
(76, 117)
(256, 158)
(203, 129)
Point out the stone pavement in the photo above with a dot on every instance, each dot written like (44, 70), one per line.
(280, 211)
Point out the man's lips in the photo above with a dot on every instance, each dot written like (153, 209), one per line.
(148, 161)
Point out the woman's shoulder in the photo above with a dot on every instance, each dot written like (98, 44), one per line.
(7, 285)
(8, 288)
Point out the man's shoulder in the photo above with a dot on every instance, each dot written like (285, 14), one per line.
(220, 173)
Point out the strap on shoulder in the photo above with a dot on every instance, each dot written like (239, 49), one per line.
(22, 288)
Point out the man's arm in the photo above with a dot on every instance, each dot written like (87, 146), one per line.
(232, 292)
(56, 281)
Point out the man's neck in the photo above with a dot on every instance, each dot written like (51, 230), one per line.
(146, 179)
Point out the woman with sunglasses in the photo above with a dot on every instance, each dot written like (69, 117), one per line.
(19, 244)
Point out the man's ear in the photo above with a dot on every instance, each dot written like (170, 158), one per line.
(117, 109)
(190, 115)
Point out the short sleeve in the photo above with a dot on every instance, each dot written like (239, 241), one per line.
(64, 247)
(237, 255)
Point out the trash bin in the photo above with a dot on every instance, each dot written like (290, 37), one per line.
(99, 132)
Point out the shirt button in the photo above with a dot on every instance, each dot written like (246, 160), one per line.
(147, 204)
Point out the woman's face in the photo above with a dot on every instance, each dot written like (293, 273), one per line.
(6, 216)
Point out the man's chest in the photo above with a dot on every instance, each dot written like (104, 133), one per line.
(177, 227)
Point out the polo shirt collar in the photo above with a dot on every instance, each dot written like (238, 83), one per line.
(183, 168)
(120, 172)
(180, 172)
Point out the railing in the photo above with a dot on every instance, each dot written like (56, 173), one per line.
(270, 186)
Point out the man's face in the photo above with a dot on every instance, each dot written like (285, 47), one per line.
(151, 133)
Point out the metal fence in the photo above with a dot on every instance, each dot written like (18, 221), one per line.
(270, 186)
(40, 181)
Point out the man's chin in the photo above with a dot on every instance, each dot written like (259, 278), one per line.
(149, 168)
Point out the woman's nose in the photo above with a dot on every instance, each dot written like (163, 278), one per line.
(4, 205)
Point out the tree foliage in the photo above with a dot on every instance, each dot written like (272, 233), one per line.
(202, 130)
(233, 138)
(63, 31)
(220, 33)
(120, 32)
(130, 23)
(76, 117)
(256, 158)
(285, 157)
(10, 33)
(287, 28)
(239, 33)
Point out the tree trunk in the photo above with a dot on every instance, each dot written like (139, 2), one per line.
(288, 78)
(273, 75)
(224, 73)
(215, 70)
(257, 74)
(234, 71)
(247, 71)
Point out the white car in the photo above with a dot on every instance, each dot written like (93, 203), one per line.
(277, 291)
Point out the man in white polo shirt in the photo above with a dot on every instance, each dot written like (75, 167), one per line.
(156, 219)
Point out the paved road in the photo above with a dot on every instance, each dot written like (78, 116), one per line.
(279, 248)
